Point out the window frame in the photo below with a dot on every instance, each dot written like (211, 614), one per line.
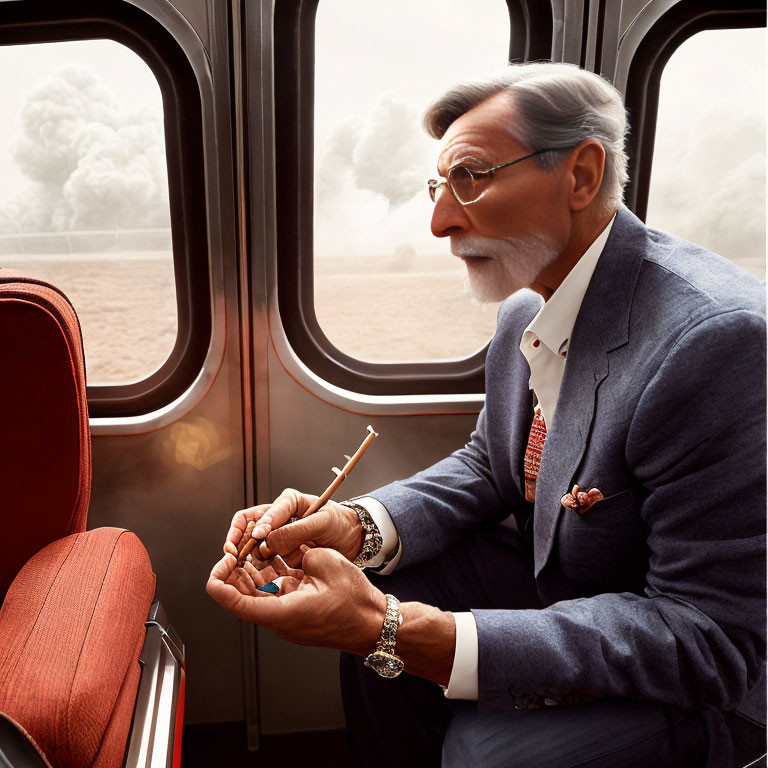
(294, 47)
(128, 25)
(667, 33)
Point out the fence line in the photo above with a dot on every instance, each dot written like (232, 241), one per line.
(86, 241)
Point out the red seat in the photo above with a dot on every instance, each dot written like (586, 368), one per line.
(72, 624)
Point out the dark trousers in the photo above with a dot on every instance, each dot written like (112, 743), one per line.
(409, 722)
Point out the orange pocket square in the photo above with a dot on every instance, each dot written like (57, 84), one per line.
(581, 501)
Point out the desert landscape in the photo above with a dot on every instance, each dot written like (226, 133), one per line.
(126, 304)
(127, 308)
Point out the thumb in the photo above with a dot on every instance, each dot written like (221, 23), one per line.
(288, 537)
(322, 563)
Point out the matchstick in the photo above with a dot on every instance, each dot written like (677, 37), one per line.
(341, 474)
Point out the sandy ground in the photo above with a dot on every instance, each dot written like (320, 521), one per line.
(419, 316)
(126, 305)
(127, 309)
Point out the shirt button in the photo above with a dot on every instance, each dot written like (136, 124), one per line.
(536, 342)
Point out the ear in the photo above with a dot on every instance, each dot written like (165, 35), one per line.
(586, 165)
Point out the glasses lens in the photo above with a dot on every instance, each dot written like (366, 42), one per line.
(465, 185)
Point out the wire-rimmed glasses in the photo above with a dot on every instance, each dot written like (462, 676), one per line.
(469, 185)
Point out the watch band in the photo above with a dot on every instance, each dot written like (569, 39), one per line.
(388, 636)
(383, 659)
(372, 540)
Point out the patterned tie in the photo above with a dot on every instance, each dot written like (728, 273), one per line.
(532, 460)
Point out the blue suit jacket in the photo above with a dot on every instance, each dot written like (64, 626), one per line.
(658, 591)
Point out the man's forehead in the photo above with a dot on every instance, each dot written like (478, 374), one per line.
(483, 132)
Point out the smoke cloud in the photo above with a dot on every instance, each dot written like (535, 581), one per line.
(90, 164)
(370, 186)
(703, 191)
(383, 152)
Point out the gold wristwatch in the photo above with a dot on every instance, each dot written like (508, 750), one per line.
(383, 659)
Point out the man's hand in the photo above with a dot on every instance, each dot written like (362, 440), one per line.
(328, 603)
(333, 526)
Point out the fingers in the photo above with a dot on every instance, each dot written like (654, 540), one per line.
(247, 579)
(290, 502)
(259, 577)
(282, 569)
(244, 582)
(240, 580)
(220, 586)
(289, 537)
(243, 544)
(326, 564)
(248, 548)
(293, 558)
(241, 520)
(287, 584)
(223, 569)
(237, 598)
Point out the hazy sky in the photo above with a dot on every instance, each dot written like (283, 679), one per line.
(25, 66)
(372, 160)
(406, 67)
(708, 179)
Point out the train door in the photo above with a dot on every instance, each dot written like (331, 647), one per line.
(117, 162)
(358, 314)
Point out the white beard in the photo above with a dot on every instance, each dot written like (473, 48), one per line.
(513, 263)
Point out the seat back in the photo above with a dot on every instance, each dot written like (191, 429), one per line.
(45, 446)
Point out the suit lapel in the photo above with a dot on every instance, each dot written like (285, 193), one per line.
(566, 440)
(519, 427)
(601, 326)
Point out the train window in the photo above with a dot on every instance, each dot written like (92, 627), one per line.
(708, 174)
(85, 201)
(386, 290)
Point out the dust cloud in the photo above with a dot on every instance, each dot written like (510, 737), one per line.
(370, 185)
(88, 162)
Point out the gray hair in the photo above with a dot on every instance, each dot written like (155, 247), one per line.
(556, 105)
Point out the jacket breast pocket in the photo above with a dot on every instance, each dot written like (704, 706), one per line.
(606, 547)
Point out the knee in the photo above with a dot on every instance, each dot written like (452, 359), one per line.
(493, 741)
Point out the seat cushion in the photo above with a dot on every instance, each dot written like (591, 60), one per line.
(71, 630)
(45, 447)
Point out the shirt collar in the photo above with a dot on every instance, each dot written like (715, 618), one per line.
(554, 322)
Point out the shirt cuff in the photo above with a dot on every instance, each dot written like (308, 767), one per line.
(391, 549)
(463, 682)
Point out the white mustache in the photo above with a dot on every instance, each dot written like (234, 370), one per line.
(471, 245)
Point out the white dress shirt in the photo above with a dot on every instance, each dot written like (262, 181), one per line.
(545, 346)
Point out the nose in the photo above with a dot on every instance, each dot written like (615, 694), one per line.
(449, 216)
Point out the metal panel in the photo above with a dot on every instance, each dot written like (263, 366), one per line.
(610, 42)
(309, 436)
(572, 32)
(636, 29)
(176, 477)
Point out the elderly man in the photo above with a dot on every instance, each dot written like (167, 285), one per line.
(620, 623)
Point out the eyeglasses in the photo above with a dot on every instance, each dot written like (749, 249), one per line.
(467, 185)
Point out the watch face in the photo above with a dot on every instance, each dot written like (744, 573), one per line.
(386, 664)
